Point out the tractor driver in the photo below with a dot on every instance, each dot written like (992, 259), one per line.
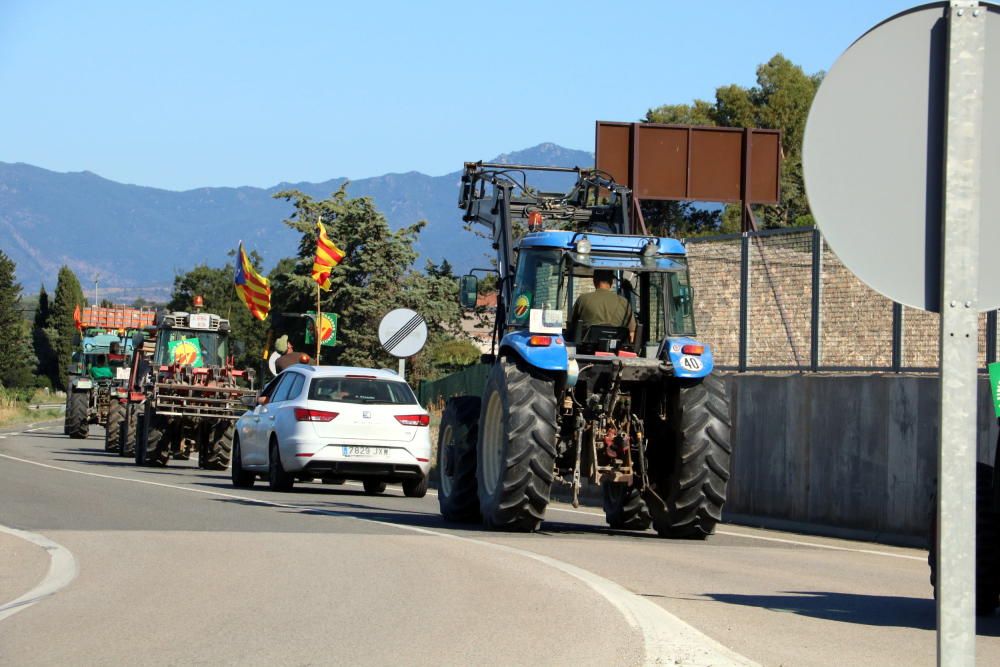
(602, 307)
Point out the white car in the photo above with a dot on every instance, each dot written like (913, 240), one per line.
(334, 423)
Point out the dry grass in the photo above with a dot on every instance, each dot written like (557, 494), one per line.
(14, 410)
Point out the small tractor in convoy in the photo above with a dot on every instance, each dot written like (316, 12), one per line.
(97, 375)
(184, 394)
(638, 412)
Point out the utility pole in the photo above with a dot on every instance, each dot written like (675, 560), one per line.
(97, 277)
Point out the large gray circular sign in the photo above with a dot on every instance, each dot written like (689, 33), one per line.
(873, 157)
(402, 332)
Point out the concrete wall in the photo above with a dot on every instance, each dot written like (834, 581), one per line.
(857, 452)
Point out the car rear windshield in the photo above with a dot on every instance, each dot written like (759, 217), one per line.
(361, 390)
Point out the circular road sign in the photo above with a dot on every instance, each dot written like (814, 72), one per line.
(873, 157)
(402, 332)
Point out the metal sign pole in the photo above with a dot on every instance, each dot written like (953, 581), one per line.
(402, 368)
(956, 509)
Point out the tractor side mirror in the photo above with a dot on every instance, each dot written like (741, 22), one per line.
(137, 340)
(468, 291)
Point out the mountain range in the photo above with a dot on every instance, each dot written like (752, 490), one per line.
(135, 239)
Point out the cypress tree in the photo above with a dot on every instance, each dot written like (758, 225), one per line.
(61, 328)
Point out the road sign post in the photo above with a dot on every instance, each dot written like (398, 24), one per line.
(894, 155)
(960, 336)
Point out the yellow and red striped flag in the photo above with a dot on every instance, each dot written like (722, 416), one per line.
(253, 289)
(328, 256)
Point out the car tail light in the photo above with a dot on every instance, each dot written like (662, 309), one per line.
(307, 415)
(413, 420)
(693, 349)
(540, 341)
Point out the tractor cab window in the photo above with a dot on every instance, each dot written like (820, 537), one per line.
(536, 284)
(191, 348)
(680, 304)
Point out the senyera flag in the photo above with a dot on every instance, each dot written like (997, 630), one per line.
(253, 289)
(328, 256)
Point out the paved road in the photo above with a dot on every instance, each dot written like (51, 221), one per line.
(177, 567)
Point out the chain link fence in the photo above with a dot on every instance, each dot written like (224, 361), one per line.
(781, 300)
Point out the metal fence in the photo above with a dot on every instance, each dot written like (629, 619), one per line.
(780, 300)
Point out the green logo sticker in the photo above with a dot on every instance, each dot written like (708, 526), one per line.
(995, 386)
(521, 306)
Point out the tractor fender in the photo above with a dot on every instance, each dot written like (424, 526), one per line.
(688, 365)
(550, 357)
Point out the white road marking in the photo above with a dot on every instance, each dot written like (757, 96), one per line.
(62, 570)
(749, 536)
(666, 638)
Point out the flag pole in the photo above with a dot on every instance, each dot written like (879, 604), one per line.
(319, 313)
(319, 326)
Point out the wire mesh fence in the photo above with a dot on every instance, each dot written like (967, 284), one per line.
(782, 300)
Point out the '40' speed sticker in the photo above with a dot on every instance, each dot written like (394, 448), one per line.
(690, 363)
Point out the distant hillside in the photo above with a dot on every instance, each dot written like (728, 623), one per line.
(137, 238)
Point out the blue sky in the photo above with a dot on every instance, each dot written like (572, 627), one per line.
(186, 94)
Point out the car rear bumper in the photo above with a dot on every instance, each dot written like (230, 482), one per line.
(402, 460)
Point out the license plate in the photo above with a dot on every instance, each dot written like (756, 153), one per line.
(354, 450)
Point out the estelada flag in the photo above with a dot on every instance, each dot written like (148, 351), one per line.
(77, 322)
(328, 256)
(253, 289)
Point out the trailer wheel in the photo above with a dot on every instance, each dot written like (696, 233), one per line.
(458, 495)
(689, 462)
(156, 451)
(76, 415)
(624, 507)
(987, 543)
(113, 427)
(516, 446)
(219, 448)
(128, 437)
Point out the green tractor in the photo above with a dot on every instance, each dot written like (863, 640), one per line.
(97, 374)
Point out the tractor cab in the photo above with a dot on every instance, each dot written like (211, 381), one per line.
(192, 339)
(554, 269)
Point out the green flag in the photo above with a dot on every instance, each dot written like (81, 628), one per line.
(328, 329)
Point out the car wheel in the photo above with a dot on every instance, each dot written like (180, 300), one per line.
(241, 478)
(277, 478)
(415, 488)
(374, 486)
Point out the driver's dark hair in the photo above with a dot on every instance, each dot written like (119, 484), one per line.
(604, 276)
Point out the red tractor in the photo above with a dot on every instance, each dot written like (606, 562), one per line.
(184, 394)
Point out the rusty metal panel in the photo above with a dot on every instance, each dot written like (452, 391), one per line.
(716, 164)
(681, 162)
(765, 167)
(661, 158)
(614, 150)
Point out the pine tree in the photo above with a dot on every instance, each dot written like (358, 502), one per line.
(16, 358)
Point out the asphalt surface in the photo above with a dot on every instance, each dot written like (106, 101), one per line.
(174, 566)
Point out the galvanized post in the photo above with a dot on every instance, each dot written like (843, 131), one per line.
(959, 336)
(897, 336)
(991, 337)
(817, 300)
(744, 299)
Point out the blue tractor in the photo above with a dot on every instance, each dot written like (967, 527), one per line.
(634, 409)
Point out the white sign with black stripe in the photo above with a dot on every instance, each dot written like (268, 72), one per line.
(402, 333)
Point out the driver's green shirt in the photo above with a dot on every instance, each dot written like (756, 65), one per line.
(100, 372)
(601, 307)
